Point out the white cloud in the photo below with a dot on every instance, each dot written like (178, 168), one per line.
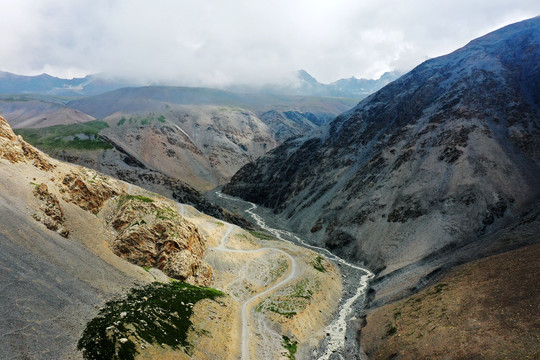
(216, 42)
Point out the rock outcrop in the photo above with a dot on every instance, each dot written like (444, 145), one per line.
(151, 234)
(436, 160)
(15, 149)
(88, 193)
(53, 215)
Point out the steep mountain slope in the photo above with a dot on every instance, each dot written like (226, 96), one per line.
(434, 161)
(82, 144)
(286, 124)
(198, 136)
(200, 145)
(477, 311)
(65, 231)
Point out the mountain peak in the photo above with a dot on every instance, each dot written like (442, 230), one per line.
(304, 75)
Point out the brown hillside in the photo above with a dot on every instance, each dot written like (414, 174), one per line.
(488, 309)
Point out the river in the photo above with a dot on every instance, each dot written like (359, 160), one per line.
(355, 278)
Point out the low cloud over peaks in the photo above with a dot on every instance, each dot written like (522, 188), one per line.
(216, 43)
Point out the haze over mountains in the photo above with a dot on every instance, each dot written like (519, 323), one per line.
(301, 83)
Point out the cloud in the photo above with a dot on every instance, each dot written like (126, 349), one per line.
(216, 42)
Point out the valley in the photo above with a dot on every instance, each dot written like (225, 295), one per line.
(118, 249)
(355, 279)
(278, 221)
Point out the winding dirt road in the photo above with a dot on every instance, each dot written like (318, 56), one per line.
(292, 275)
(337, 329)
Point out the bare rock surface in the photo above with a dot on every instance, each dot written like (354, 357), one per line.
(152, 234)
(53, 216)
(87, 193)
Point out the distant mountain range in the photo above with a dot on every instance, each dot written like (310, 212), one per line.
(50, 85)
(303, 84)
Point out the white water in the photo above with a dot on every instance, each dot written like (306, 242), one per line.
(337, 329)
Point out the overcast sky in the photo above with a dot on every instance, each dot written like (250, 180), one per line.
(219, 42)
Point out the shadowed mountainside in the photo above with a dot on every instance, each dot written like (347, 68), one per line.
(433, 162)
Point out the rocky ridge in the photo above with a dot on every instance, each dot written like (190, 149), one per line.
(175, 245)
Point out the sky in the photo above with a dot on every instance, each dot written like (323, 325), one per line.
(223, 42)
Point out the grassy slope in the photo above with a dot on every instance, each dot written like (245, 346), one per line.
(156, 314)
(67, 136)
(488, 309)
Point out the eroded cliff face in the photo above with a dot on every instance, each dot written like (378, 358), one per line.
(15, 149)
(152, 234)
(149, 232)
(436, 160)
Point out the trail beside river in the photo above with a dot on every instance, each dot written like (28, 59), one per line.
(337, 330)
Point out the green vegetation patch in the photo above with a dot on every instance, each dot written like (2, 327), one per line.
(122, 121)
(127, 198)
(304, 289)
(291, 300)
(262, 235)
(140, 198)
(166, 213)
(291, 346)
(155, 314)
(317, 263)
(84, 136)
(278, 269)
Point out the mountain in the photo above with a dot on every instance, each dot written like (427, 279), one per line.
(154, 98)
(302, 85)
(420, 175)
(119, 151)
(363, 87)
(51, 85)
(96, 268)
(487, 309)
(35, 111)
(305, 84)
(286, 115)
(70, 240)
(167, 139)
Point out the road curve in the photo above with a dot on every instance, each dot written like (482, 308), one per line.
(337, 329)
(293, 274)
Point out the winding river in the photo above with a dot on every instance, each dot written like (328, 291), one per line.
(337, 329)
